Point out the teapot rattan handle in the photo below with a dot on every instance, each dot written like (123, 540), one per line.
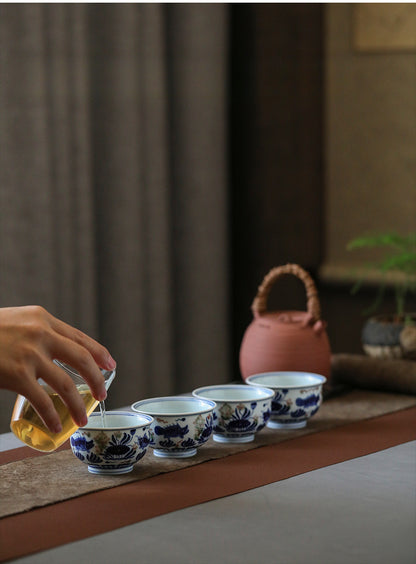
(259, 305)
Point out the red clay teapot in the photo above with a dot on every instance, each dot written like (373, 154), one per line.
(285, 340)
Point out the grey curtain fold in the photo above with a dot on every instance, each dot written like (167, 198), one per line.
(113, 183)
(47, 245)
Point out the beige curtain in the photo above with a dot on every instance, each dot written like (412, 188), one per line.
(113, 183)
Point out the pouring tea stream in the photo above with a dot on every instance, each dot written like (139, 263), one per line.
(28, 426)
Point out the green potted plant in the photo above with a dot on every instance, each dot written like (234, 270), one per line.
(390, 335)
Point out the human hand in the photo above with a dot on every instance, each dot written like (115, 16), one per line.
(30, 339)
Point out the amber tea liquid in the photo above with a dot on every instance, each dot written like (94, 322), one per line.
(29, 427)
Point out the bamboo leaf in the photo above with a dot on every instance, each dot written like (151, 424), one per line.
(399, 257)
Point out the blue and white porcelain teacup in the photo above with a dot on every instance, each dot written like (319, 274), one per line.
(114, 444)
(241, 411)
(181, 424)
(297, 396)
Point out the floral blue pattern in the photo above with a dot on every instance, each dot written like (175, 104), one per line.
(309, 401)
(119, 448)
(172, 437)
(280, 408)
(295, 405)
(188, 443)
(144, 441)
(81, 443)
(239, 420)
(93, 458)
(167, 443)
(140, 455)
(206, 431)
(103, 452)
(298, 414)
(172, 431)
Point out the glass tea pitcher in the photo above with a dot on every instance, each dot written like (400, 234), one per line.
(28, 426)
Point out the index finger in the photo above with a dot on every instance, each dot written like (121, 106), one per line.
(99, 353)
(81, 361)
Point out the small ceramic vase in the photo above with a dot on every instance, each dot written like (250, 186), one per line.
(285, 340)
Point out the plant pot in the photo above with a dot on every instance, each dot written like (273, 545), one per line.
(386, 336)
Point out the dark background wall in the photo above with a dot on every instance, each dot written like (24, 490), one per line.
(277, 147)
(276, 110)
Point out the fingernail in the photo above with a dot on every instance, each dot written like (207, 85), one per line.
(102, 395)
(57, 428)
(83, 421)
(110, 363)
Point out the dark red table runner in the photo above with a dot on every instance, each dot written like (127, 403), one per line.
(71, 520)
